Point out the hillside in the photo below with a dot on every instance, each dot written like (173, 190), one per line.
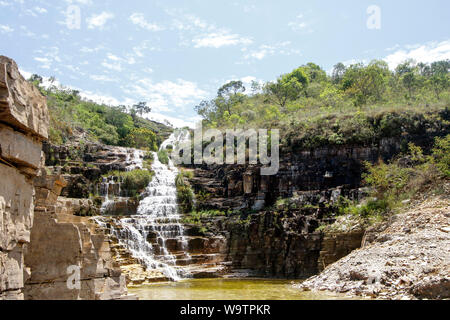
(358, 104)
(73, 117)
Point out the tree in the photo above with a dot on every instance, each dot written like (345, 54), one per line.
(407, 73)
(338, 73)
(142, 108)
(231, 88)
(314, 73)
(142, 138)
(364, 83)
(439, 73)
(287, 87)
(283, 90)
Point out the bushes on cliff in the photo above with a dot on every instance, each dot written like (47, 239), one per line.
(407, 176)
(163, 157)
(196, 216)
(134, 182)
(358, 104)
(185, 195)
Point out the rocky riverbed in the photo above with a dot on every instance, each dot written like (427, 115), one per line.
(406, 258)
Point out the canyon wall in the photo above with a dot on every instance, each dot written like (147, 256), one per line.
(42, 243)
(23, 126)
(273, 230)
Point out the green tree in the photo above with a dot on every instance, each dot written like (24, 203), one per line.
(142, 138)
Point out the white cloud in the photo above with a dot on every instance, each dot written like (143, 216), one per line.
(265, 50)
(220, 39)
(5, 29)
(91, 50)
(99, 20)
(48, 56)
(83, 2)
(115, 66)
(189, 22)
(301, 25)
(139, 20)
(426, 53)
(202, 33)
(140, 50)
(36, 11)
(102, 78)
(165, 95)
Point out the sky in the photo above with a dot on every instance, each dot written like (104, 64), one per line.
(174, 54)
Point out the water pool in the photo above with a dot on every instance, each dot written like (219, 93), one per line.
(228, 289)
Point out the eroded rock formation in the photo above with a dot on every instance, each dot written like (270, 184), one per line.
(62, 243)
(40, 238)
(23, 127)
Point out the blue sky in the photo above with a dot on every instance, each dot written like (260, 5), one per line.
(173, 54)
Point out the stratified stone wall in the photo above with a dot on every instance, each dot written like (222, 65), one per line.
(61, 241)
(23, 127)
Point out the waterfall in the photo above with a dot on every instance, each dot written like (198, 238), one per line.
(134, 160)
(155, 236)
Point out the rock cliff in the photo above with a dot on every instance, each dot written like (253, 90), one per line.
(40, 238)
(23, 127)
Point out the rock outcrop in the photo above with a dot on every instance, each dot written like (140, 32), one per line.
(23, 126)
(62, 244)
(40, 238)
(408, 258)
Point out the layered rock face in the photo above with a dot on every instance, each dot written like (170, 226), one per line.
(62, 244)
(282, 241)
(325, 172)
(23, 127)
(40, 238)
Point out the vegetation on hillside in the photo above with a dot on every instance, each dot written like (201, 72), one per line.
(113, 125)
(185, 195)
(357, 104)
(135, 181)
(401, 180)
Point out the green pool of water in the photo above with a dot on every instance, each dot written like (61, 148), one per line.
(227, 289)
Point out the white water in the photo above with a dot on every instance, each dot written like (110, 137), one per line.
(157, 219)
(134, 160)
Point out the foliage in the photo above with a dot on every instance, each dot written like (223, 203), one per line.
(195, 217)
(163, 157)
(142, 138)
(441, 155)
(358, 104)
(134, 182)
(185, 195)
(71, 115)
(406, 176)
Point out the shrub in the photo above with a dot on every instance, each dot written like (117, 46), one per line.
(441, 155)
(195, 217)
(185, 198)
(403, 178)
(134, 182)
(163, 157)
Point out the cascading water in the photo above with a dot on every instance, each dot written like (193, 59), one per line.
(111, 187)
(155, 235)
